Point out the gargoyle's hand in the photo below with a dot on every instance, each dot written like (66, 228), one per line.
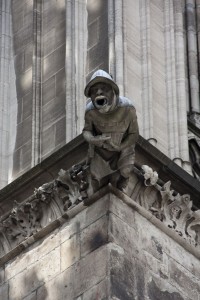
(114, 146)
(99, 140)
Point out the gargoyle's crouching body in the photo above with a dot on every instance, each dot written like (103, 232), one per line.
(111, 130)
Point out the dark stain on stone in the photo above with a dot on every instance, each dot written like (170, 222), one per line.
(158, 245)
(155, 293)
(122, 277)
(97, 240)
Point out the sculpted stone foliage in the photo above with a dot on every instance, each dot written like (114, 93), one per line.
(73, 186)
(47, 203)
(174, 210)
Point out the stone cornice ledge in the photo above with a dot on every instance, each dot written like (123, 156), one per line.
(67, 216)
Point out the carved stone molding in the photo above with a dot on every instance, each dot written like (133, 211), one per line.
(173, 209)
(50, 201)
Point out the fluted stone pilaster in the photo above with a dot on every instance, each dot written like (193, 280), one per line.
(37, 82)
(192, 54)
(75, 60)
(7, 94)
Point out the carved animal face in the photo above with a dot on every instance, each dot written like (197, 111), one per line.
(103, 97)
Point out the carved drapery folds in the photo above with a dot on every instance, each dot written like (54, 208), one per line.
(53, 199)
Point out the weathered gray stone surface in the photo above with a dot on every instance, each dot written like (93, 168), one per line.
(151, 49)
(107, 251)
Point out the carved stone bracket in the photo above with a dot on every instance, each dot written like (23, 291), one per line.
(53, 199)
(48, 202)
(174, 210)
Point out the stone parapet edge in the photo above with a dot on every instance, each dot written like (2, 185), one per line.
(83, 205)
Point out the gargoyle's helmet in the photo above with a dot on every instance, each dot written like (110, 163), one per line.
(101, 76)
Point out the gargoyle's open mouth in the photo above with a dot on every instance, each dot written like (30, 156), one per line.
(100, 101)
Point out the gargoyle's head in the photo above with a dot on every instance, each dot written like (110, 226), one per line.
(103, 91)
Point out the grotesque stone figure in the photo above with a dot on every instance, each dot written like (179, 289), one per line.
(111, 129)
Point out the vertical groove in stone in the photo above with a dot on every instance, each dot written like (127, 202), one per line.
(80, 62)
(76, 37)
(146, 70)
(111, 37)
(116, 42)
(5, 75)
(198, 33)
(119, 44)
(70, 72)
(37, 83)
(181, 83)
(171, 80)
(192, 55)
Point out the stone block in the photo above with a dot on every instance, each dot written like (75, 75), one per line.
(48, 141)
(49, 42)
(87, 217)
(27, 105)
(94, 236)
(93, 38)
(23, 37)
(4, 292)
(49, 17)
(99, 291)
(156, 292)
(23, 284)
(70, 252)
(48, 90)
(184, 258)
(122, 211)
(32, 296)
(60, 81)
(16, 162)
(28, 56)
(2, 276)
(28, 12)
(17, 19)
(27, 130)
(26, 156)
(184, 280)
(91, 270)
(19, 63)
(95, 9)
(97, 55)
(60, 131)
(123, 235)
(53, 62)
(45, 246)
(60, 30)
(59, 288)
(53, 111)
(125, 276)
(35, 275)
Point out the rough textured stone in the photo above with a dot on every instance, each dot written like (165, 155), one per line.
(70, 252)
(35, 275)
(155, 293)
(99, 291)
(61, 287)
(4, 292)
(32, 296)
(94, 236)
(91, 270)
(99, 254)
(122, 275)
